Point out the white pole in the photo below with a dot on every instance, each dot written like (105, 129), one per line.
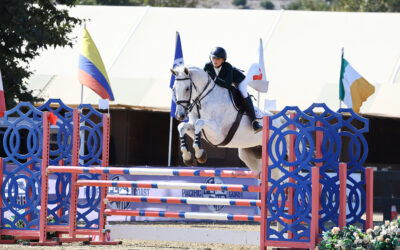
(81, 133)
(271, 31)
(170, 140)
(127, 39)
(171, 119)
(81, 93)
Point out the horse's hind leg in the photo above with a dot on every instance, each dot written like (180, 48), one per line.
(186, 155)
(200, 154)
(252, 158)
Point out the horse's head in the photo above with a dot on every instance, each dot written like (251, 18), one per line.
(188, 87)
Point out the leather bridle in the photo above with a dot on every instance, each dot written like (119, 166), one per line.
(190, 103)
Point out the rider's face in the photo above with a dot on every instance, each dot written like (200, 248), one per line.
(217, 62)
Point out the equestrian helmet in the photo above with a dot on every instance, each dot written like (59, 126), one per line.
(218, 52)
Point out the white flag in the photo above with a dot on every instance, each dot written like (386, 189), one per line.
(256, 77)
(104, 103)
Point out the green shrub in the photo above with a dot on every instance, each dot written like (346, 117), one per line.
(239, 2)
(267, 5)
(386, 236)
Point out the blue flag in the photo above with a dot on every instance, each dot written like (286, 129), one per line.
(178, 60)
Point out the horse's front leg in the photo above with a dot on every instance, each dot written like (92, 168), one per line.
(186, 155)
(200, 154)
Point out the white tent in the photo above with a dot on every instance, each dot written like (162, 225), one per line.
(302, 53)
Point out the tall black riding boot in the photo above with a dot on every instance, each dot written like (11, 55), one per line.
(250, 110)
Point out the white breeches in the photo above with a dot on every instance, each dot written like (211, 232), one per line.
(242, 86)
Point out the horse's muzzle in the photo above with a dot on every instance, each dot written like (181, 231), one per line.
(181, 116)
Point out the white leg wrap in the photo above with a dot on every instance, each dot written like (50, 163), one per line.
(198, 126)
(186, 155)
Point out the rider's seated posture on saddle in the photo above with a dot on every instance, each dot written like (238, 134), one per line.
(224, 75)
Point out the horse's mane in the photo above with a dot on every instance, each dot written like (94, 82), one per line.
(192, 69)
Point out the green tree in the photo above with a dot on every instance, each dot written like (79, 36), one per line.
(239, 2)
(267, 5)
(26, 27)
(347, 5)
(159, 3)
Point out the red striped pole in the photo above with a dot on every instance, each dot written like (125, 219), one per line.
(74, 177)
(315, 196)
(342, 194)
(369, 180)
(185, 215)
(60, 187)
(264, 183)
(292, 158)
(104, 163)
(153, 171)
(182, 200)
(45, 188)
(169, 185)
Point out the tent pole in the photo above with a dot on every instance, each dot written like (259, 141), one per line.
(127, 39)
(271, 31)
(396, 72)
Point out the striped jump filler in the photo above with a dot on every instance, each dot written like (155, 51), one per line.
(153, 171)
(170, 185)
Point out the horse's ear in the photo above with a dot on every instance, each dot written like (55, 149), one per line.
(186, 71)
(173, 72)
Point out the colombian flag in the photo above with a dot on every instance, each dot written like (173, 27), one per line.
(92, 72)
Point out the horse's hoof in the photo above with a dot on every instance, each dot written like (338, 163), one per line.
(188, 162)
(203, 158)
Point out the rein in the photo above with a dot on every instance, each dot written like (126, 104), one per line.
(190, 104)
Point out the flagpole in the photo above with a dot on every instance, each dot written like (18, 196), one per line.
(81, 133)
(84, 27)
(170, 120)
(261, 59)
(170, 140)
(271, 31)
(341, 61)
(81, 93)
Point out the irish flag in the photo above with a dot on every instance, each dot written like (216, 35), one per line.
(353, 88)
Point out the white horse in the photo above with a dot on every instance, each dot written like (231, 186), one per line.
(210, 110)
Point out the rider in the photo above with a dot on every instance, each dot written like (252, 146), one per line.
(224, 74)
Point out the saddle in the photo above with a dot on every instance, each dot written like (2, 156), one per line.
(237, 99)
(238, 103)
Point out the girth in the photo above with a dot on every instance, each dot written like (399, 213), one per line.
(235, 124)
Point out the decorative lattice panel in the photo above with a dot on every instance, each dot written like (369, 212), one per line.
(60, 150)
(288, 175)
(90, 154)
(21, 189)
(326, 158)
(352, 133)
